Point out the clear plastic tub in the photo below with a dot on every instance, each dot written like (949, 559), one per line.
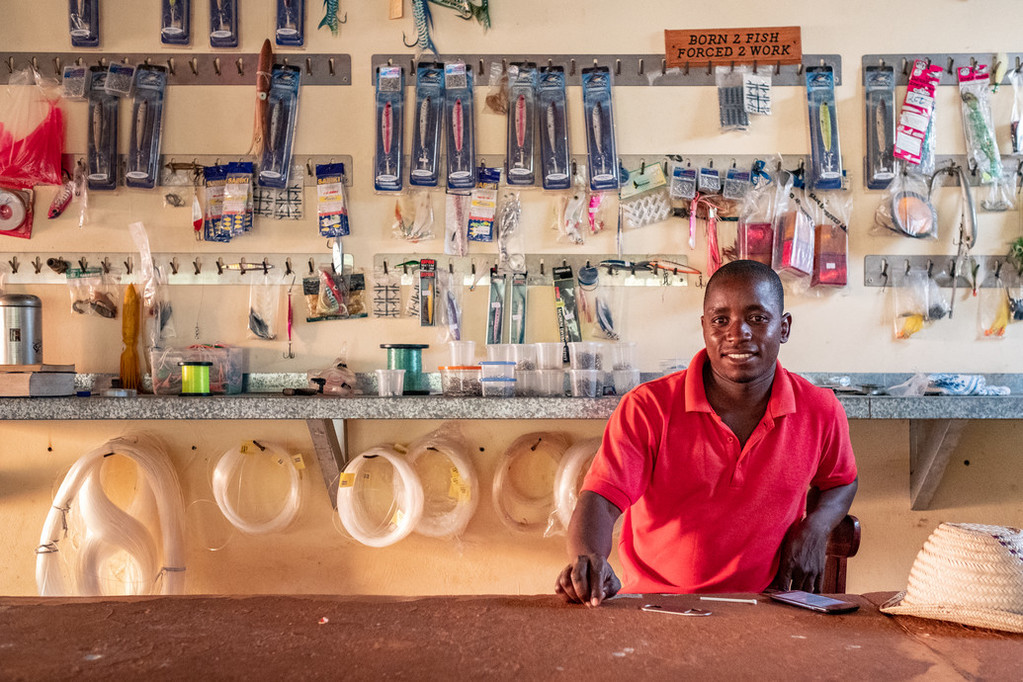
(390, 382)
(625, 380)
(463, 353)
(525, 355)
(498, 387)
(501, 369)
(586, 383)
(586, 355)
(550, 382)
(526, 382)
(501, 351)
(550, 355)
(461, 380)
(623, 355)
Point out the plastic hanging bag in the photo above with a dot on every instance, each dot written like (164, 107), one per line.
(264, 303)
(92, 293)
(755, 235)
(456, 224)
(31, 131)
(906, 207)
(413, 217)
(793, 233)
(644, 196)
(831, 237)
(510, 243)
(449, 311)
(1015, 131)
(731, 107)
(993, 311)
(156, 307)
(917, 302)
(386, 293)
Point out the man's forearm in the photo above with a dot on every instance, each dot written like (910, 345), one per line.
(832, 506)
(592, 526)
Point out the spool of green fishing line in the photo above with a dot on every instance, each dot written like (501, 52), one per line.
(409, 357)
(195, 377)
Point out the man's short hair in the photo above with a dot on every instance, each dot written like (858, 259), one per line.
(749, 270)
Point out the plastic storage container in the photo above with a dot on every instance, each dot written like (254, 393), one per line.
(503, 369)
(550, 355)
(550, 382)
(586, 355)
(498, 387)
(463, 353)
(226, 373)
(461, 380)
(586, 383)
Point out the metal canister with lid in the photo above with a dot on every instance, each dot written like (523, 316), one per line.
(21, 317)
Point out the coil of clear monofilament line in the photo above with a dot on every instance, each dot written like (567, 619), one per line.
(118, 552)
(569, 478)
(449, 481)
(524, 481)
(247, 478)
(379, 505)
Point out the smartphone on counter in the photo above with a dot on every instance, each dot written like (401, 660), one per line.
(814, 602)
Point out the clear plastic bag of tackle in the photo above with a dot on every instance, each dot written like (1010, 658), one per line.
(511, 247)
(456, 223)
(413, 216)
(569, 211)
(92, 292)
(993, 310)
(156, 307)
(917, 301)
(600, 297)
(264, 305)
(906, 208)
(449, 308)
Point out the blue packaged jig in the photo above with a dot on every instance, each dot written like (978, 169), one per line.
(522, 125)
(146, 127)
(282, 114)
(102, 143)
(825, 150)
(83, 22)
(425, 164)
(290, 23)
(879, 86)
(555, 160)
(460, 124)
(600, 132)
(223, 23)
(390, 129)
(176, 22)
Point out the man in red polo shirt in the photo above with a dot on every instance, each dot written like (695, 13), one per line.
(711, 466)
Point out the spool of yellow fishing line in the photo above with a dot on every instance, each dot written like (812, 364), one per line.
(195, 377)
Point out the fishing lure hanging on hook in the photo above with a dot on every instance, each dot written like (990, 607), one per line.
(330, 20)
(424, 22)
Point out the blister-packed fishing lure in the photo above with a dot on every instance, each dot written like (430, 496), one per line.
(83, 22)
(552, 108)
(102, 142)
(833, 209)
(175, 22)
(390, 128)
(429, 112)
(522, 125)
(598, 116)
(1015, 130)
(456, 224)
(237, 213)
(825, 149)
(793, 232)
(146, 127)
(496, 307)
(427, 292)
(282, 116)
(214, 180)
(879, 105)
(332, 200)
(223, 23)
(460, 125)
(483, 206)
(290, 23)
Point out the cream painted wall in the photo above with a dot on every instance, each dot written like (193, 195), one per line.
(842, 331)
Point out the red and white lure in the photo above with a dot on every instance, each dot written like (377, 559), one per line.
(520, 128)
(62, 199)
(387, 135)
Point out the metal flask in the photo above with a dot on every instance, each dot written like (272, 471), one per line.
(21, 316)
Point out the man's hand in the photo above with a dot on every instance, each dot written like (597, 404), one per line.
(802, 558)
(587, 580)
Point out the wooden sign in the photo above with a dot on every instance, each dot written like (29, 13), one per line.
(773, 45)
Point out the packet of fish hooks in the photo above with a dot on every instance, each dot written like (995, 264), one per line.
(425, 160)
(75, 83)
(120, 80)
(237, 208)
(214, 180)
(683, 182)
(737, 183)
(522, 126)
(460, 125)
(331, 200)
(390, 129)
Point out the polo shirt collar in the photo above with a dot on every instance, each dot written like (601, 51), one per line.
(782, 401)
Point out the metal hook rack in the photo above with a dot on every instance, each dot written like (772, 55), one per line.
(204, 68)
(179, 268)
(888, 270)
(629, 69)
(1010, 164)
(902, 63)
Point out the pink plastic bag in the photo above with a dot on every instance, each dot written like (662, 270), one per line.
(31, 131)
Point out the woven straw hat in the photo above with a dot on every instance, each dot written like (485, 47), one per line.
(967, 573)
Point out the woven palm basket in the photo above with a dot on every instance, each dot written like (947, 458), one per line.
(967, 573)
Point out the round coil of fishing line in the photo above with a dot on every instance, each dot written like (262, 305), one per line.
(518, 508)
(367, 522)
(449, 500)
(230, 480)
(119, 549)
(568, 479)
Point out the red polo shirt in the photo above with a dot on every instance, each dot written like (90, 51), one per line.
(701, 514)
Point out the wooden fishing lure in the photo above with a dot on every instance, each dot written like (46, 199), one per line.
(263, 77)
